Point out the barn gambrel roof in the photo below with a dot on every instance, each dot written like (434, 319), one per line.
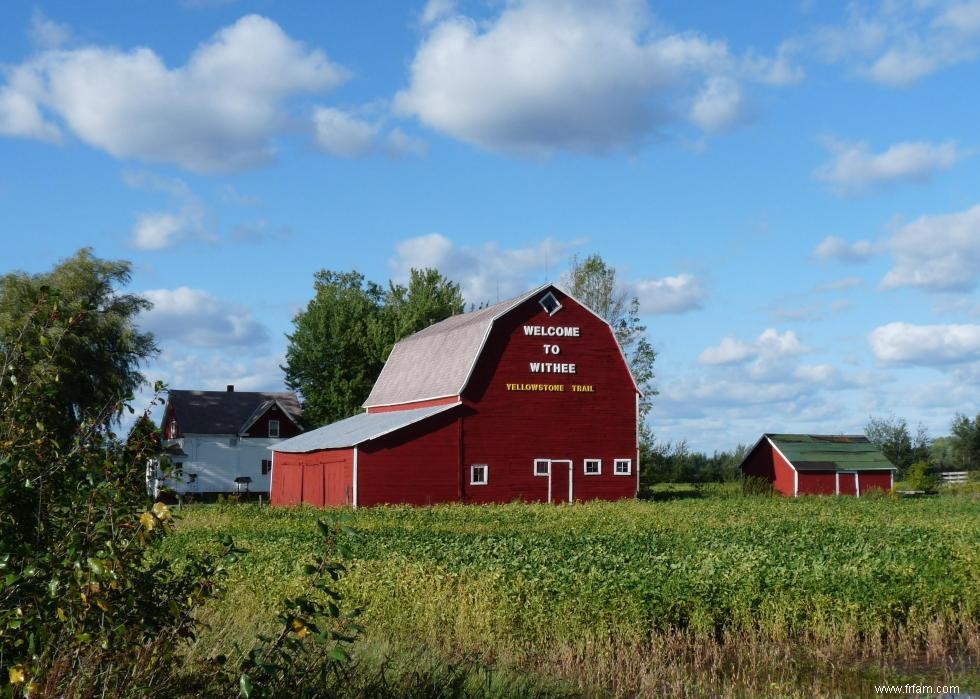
(438, 361)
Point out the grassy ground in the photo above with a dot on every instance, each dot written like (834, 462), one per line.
(697, 592)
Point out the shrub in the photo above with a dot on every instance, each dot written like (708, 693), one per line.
(756, 485)
(922, 477)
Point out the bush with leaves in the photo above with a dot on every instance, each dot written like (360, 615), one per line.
(921, 476)
(85, 605)
(309, 655)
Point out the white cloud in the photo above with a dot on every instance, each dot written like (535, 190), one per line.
(195, 318)
(218, 112)
(905, 343)
(677, 294)
(855, 169)
(340, 133)
(486, 273)
(937, 253)
(401, 144)
(577, 75)
(719, 104)
(834, 248)
(158, 230)
(728, 351)
(436, 10)
(45, 33)
(900, 43)
(768, 347)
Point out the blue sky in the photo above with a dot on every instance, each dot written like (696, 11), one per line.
(792, 191)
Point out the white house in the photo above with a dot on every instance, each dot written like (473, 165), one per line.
(218, 441)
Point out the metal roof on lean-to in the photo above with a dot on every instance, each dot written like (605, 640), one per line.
(357, 429)
(436, 362)
(821, 452)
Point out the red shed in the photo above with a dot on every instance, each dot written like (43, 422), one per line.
(529, 399)
(819, 464)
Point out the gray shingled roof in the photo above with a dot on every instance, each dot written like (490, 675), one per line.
(357, 429)
(225, 412)
(437, 361)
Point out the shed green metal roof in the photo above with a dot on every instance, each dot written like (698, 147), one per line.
(833, 452)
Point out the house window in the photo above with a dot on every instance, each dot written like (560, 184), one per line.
(479, 474)
(593, 467)
(550, 303)
(179, 470)
(266, 467)
(623, 467)
(542, 467)
(173, 429)
(273, 428)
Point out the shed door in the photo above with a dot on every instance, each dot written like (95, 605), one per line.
(847, 483)
(560, 480)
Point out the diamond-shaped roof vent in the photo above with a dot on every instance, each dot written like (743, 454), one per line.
(550, 303)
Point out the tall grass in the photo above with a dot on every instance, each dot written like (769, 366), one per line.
(732, 595)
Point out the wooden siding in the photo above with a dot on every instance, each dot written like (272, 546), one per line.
(317, 478)
(512, 428)
(819, 483)
(417, 465)
(260, 428)
(445, 400)
(875, 479)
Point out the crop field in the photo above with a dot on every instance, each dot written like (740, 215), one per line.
(714, 596)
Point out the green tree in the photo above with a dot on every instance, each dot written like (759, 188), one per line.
(896, 441)
(342, 339)
(98, 355)
(965, 442)
(593, 282)
(428, 298)
(87, 605)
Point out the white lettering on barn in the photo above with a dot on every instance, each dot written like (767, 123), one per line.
(552, 330)
(552, 368)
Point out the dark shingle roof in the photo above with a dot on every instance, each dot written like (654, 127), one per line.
(822, 452)
(225, 412)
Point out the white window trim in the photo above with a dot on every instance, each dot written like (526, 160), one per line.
(276, 435)
(558, 305)
(486, 474)
(585, 467)
(629, 467)
(534, 468)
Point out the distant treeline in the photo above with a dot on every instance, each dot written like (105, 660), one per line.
(667, 462)
(670, 462)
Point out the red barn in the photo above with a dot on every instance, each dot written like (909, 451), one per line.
(529, 399)
(816, 464)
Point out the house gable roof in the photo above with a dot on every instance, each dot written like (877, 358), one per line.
(829, 452)
(261, 410)
(438, 361)
(357, 429)
(225, 412)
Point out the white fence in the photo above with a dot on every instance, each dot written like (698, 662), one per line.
(953, 477)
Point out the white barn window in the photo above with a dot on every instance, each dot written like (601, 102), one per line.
(593, 467)
(623, 467)
(479, 474)
(542, 467)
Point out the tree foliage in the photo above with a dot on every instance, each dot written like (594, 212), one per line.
(85, 605)
(676, 463)
(98, 354)
(593, 282)
(895, 440)
(965, 442)
(344, 335)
